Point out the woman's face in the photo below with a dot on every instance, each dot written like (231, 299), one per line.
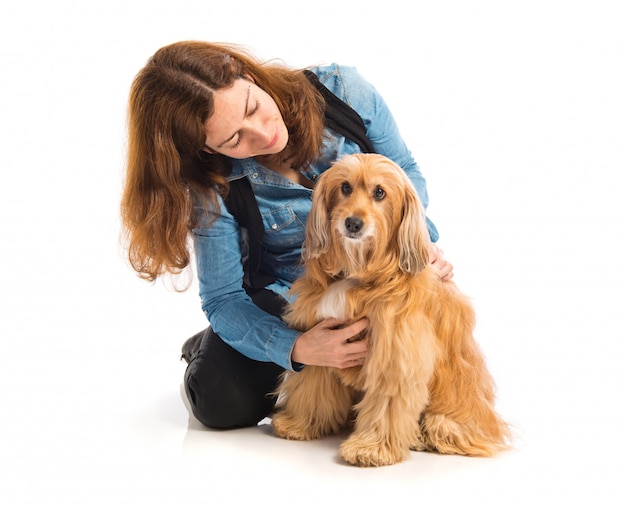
(245, 122)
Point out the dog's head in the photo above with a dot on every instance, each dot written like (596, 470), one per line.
(366, 216)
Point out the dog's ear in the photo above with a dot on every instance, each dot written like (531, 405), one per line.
(413, 239)
(318, 239)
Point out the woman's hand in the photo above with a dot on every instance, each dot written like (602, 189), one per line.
(442, 267)
(327, 344)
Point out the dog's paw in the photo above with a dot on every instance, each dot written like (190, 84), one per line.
(419, 443)
(367, 454)
(447, 436)
(290, 428)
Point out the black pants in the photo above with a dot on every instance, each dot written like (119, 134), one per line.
(227, 389)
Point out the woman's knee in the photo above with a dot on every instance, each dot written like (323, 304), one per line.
(226, 395)
(224, 403)
(227, 389)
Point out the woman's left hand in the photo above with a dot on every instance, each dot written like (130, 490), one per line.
(442, 267)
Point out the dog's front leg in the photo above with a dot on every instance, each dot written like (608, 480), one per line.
(385, 429)
(312, 403)
(396, 380)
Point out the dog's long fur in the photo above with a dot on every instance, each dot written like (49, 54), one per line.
(424, 384)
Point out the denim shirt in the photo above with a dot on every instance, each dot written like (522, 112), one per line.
(284, 207)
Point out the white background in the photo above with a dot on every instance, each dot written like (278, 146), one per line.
(516, 114)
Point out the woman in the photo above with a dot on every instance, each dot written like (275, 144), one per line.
(201, 116)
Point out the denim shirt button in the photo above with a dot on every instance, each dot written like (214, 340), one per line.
(274, 226)
(255, 175)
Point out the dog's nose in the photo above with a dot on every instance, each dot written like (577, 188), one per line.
(354, 224)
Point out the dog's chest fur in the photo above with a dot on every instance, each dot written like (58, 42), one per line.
(334, 301)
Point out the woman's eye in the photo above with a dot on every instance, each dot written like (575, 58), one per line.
(254, 109)
(379, 194)
(346, 189)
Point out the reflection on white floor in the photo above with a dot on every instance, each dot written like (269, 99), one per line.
(112, 429)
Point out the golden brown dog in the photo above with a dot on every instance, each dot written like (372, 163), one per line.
(424, 384)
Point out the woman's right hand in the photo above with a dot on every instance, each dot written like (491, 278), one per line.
(327, 344)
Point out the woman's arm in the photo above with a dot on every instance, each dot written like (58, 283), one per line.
(228, 308)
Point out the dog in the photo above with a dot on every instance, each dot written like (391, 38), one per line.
(424, 385)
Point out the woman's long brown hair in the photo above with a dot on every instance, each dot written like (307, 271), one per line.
(170, 100)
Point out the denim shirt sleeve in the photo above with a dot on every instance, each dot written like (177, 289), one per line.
(230, 311)
(382, 130)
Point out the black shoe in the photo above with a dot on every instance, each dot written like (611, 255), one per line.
(191, 346)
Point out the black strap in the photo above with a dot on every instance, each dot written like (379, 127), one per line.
(340, 117)
(241, 202)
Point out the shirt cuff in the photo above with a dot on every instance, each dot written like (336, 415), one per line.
(280, 345)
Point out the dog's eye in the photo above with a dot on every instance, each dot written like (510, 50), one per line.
(346, 189)
(379, 194)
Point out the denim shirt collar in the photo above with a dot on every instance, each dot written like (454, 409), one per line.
(258, 174)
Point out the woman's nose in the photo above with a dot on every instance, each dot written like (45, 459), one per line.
(262, 133)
